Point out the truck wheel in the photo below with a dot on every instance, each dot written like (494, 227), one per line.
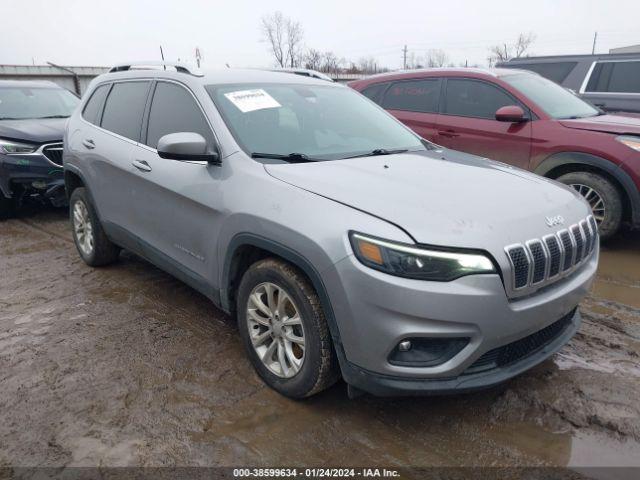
(284, 330)
(93, 245)
(602, 195)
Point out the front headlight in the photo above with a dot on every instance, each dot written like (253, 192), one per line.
(12, 148)
(409, 261)
(630, 141)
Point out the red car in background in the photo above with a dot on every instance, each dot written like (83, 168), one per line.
(525, 120)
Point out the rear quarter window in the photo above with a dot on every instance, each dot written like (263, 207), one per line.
(94, 104)
(615, 77)
(124, 108)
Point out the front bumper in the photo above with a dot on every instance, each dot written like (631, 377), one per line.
(25, 170)
(385, 386)
(375, 311)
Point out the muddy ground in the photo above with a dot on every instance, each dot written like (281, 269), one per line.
(125, 365)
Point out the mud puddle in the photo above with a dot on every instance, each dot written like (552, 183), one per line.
(127, 366)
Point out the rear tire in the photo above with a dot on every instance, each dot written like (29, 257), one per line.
(92, 243)
(295, 313)
(603, 196)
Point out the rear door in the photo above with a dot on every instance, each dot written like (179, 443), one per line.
(179, 212)
(467, 122)
(415, 103)
(109, 149)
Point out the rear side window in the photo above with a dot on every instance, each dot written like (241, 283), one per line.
(554, 71)
(413, 96)
(124, 109)
(174, 110)
(94, 105)
(374, 92)
(471, 98)
(615, 77)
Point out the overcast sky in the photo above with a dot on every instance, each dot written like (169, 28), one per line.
(92, 32)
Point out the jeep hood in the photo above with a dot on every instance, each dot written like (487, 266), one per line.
(33, 130)
(442, 197)
(616, 124)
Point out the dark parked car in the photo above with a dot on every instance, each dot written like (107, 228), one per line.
(525, 120)
(610, 81)
(32, 120)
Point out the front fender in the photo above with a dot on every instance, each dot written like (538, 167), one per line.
(616, 171)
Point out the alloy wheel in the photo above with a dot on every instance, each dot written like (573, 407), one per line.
(595, 200)
(276, 330)
(83, 228)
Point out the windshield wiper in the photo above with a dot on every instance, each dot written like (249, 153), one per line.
(52, 116)
(379, 151)
(290, 157)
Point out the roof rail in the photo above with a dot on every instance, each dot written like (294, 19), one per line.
(155, 65)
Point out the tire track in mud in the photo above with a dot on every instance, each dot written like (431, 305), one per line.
(127, 365)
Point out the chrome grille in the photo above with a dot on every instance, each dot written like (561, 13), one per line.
(555, 254)
(567, 245)
(537, 262)
(53, 152)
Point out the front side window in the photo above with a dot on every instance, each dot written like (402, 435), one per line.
(615, 77)
(18, 103)
(471, 98)
(556, 101)
(94, 105)
(324, 122)
(173, 110)
(124, 108)
(413, 96)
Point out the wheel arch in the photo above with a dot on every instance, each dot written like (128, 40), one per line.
(245, 249)
(565, 162)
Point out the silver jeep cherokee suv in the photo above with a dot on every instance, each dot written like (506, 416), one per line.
(341, 241)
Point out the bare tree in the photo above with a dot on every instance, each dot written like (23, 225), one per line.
(437, 58)
(313, 59)
(367, 65)
(505, 52)
(330, 62)
(284, 37)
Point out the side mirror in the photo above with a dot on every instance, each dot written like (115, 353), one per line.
(511, 113)
(186, 146)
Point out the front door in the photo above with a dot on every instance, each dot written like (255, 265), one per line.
(467, 123)
(179, 211)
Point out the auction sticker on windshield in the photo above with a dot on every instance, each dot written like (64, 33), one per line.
(250, 100)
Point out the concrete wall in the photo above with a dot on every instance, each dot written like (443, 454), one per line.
(64, 78)
(630, 49)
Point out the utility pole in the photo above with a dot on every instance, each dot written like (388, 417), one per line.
(404, 54)
(593, 50)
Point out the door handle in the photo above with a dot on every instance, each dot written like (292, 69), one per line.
(88, 143)
(142, 165)
(448, 133)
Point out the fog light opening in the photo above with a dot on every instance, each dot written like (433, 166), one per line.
(426, 351)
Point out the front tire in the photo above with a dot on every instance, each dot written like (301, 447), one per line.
(7, 207)
(603, 197)
(284, 330)
(92, 243)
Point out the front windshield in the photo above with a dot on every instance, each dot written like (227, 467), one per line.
(556, 101)
(320, 122)
(18, 103)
